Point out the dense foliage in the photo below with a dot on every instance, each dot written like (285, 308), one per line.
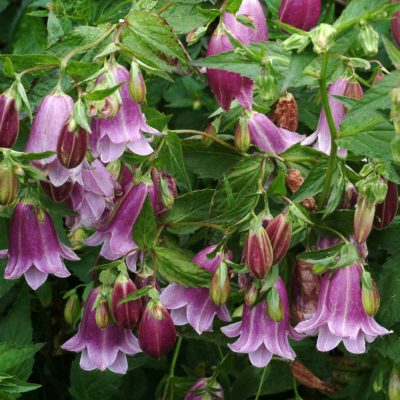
(199, 195)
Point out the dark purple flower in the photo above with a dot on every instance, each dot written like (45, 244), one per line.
(9, 121)
(110, 137)
(229, 85)
(193, 305)
(202, 387)
(386, 211)
(71, 147)
(34, 249)
(279, 231)
(395, 25)
(302, 14)
(260, 336)
(102, 348)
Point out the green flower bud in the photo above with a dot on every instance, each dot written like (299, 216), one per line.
(9, 184)
(323, 37)
(369, 40)
(296, 42)
(137, 85)
(369, 294)
(220, 287)
(102, 314)
(275, 308)
(242, 136)
(72, 309)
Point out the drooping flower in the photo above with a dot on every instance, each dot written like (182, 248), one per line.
(203, 387)
(322, 136)
(91, 198)
(340, 315)
(110, 137)
(9, 121)
(34, 249)
(260, 336)
(102, 348)
(302, 14)
(226, 85)
(268, 137)
(157, 333)
(193, 305)
(116, 233)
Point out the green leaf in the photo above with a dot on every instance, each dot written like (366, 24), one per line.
(171, 158)
(337, 189)
(54, 29)
(296, 67)
(155, 118)
(9, 384)
(145, 229)
(25, 61)
(278, 185)
(392, 51)
(137, 294)
(173, 266)
(8, 68)
(12, 355)
(232, 6)
(80, 70)
(102, 93)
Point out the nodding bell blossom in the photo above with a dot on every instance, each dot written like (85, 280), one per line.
(116, 233)
(302, 14)
(268, 137)
(193, 305)
(53, 113)
(226, 85)
(322, 136)
(34, 249)
(9, 121)
(93, 197)
(260, 336)
(110, 137)
(102, 348)
(203, 388)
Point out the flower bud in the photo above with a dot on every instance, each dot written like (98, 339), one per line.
(9, 184)
(212, 129)
(165, 191)
(71, 147)
(258, 252)
(302, 14)
(102, 314)
(369, 40)
(157, 333)
(286, 113)
(57, 193)
(350, 196)
(394, 385)
(279, 231)
(137, 85)
(9, 121)
(379, 190)
(242, 136)
(369, 295)
(275, 308)
(296, 42)
(363, 218)
(127, 314)
(354, 90)
(220, 286)
(386, 211)
(395, 25)
(267, 85)
(72, 309)
(251, 295)
(323, 37)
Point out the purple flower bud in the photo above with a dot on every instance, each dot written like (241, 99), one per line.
(164, 191)
(9, 184)
(128, 314)
(102, 348)
(34, 248)
(279, 231)
(157, 333)
(302, 14)
(55, 193)
(354, 90)
(268, 137)
(137, 85)
(72, 146)
(363, 218)
(286, 113)
(395, 25)
(386, 211)
(251, 295)
(220, 286)
(258, 252)
(9, 121)
(242, 136)
(202, 388)
(350, 196)
(229, 85)
(72, 309)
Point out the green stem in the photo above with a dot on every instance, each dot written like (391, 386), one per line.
(332, 129)
(172, 370)
(260, 386)
(296, 392)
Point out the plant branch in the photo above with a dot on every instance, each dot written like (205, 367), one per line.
(260, 386)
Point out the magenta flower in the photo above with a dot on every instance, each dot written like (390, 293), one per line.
(302, 14)
(116, 233)
(102, 348)
(260, 336)
(9, 121)
(268, 137)
(91, 198)
(193, 305)
(202, 387)
(322, 136)
(110, 137)
(34, 249)
(340, 315)
(226, 85)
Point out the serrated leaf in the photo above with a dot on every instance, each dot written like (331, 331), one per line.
(102, 93)
(12, 355)
(10, 384)
(8, 68)
(145, 229)
(137, 294)
(54, 29)
(80, 70)
(175, 267)
(155, 118)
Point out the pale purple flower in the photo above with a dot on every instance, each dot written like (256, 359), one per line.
(198, 390)
(340, 315)
(193, 305)
(102, 348)
(229, 85)
(34, 249)
(116, 233)
(91, 198)
(322, 136)
(110, 137)
(268, 137)
(260, 336)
